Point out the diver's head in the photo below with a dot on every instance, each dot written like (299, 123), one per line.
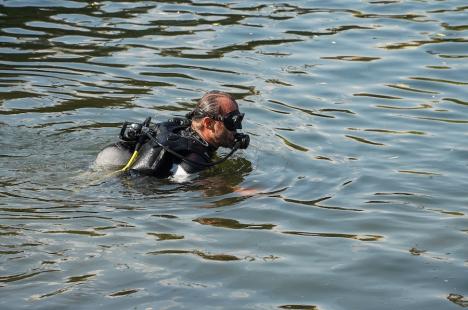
(216, 119)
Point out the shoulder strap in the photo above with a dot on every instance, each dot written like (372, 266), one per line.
(176, 135)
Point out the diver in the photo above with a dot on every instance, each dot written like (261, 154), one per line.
(179, 146)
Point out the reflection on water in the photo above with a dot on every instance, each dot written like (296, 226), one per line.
(354, 184)
(229, 223)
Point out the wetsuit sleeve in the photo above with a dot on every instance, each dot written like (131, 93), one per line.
(193, 167)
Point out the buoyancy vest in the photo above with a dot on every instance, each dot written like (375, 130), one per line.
(175, 134)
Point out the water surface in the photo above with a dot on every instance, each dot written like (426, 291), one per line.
(352, 194)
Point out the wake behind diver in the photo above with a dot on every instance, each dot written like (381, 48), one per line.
(180, 146)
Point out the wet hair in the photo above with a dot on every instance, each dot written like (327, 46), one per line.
(211, 104)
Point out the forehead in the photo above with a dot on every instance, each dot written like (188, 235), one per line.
(227, 105)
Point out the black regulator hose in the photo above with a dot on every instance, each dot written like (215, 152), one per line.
(242, 141)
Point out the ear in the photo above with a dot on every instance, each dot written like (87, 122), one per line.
(208, 123)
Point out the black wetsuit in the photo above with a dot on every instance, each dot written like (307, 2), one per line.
(176, 135)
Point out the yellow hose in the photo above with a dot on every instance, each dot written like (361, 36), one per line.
(130, 161)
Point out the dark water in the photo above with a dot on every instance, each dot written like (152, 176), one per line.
(353, 194)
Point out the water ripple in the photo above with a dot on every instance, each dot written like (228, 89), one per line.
(232, 224)
(22, 276)
(207, 256)
(357, 117)
(335, 235)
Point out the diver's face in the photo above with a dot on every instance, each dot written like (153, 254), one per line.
(222, 135)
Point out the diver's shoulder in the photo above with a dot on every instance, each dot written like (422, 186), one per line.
(178, 121)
